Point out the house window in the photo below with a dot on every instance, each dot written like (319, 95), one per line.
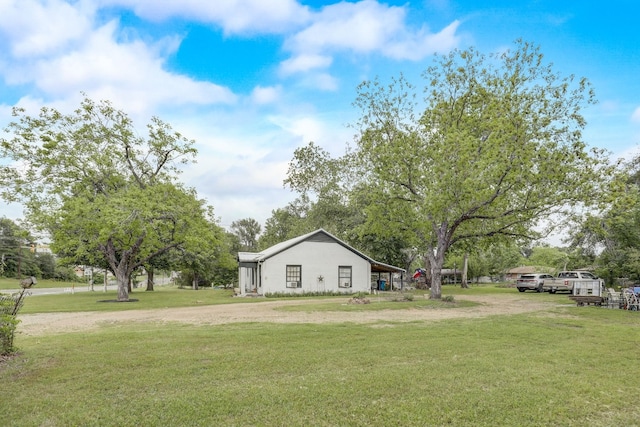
(294, 276)
(344, 276)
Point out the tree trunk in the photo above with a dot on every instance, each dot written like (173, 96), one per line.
(150, 279)
(427, 274)
(465, 268)
(121, 266)
(436, 283)
(436, 259)
(123, 284)
(195, 281)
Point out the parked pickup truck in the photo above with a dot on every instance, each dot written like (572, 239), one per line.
(565, 280)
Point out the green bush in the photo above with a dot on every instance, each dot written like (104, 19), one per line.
(312, 294)
(8, 326)
(9, 307)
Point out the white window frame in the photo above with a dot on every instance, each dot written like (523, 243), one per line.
(345, 276)
(293, 275)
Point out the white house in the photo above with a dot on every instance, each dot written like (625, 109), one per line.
(314, 262)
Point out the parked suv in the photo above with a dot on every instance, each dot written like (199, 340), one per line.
(534, 282)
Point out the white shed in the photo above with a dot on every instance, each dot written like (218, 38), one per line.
(317, 262)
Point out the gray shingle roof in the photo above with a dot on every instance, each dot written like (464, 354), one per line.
(282, 246)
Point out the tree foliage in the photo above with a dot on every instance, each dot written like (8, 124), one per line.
(494, 147)
(286, 223)
(248, 230)
(613, 235)
(104, 193)
(17, 258)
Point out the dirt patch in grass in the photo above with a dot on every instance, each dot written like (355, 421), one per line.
(489, 305)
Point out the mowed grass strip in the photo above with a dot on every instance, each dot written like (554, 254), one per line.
(14, 284)
(172, 296)
(162, 297)
(377, 303)
(569, 366)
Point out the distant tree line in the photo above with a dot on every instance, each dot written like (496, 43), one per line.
(19, 256)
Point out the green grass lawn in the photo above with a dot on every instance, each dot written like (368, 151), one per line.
(569, 366)
(7, 283)
(12, 283)
(162, 297)
(172, 296)
(379, 302)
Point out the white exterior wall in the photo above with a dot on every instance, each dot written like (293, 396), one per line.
(317, 259)
(246, 280)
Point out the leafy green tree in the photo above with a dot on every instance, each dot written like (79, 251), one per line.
(339, 205)
(46, 263)
(500, 258)
(202, 252)
(612, 237)
(103, 192)
(286, 223)
(248, 230)
(494, 147)
(225, 269)
(551, 257)
(131, 227)
(16, 258)
(479, 265)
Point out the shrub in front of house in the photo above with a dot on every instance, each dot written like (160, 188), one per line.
(305, 294)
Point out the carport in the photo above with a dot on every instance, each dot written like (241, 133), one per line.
(383, 274)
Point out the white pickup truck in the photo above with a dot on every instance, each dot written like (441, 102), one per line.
(565, 280)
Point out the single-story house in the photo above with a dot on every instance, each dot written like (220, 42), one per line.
(314, 262)
(515, 273)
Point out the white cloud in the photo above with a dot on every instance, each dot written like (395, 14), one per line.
(266, 95)
(423, 43)
(361, 27)
(325, 81)
(367, 27)
(635, 117)
(61, 64)
(304, 63)
(239, 177)
(306, 128)
(234, 16)
(31, 27)
(628, 153)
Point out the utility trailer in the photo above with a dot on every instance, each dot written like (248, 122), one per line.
(588, 292)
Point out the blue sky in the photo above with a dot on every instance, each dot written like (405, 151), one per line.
(251, 80)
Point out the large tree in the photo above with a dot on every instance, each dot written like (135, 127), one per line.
(614, 234)
(493, 148)
(247, 230)
(333, 198)
(16, 256)
(102, 191)
(286, 223)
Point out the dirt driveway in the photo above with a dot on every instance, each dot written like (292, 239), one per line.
(267, 311)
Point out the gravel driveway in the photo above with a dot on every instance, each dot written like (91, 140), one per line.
(267, 311)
